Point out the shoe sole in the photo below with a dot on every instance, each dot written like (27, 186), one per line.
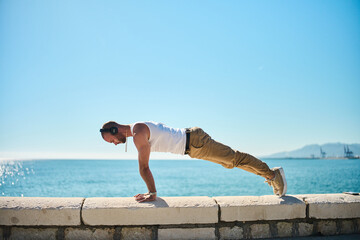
(282, 173)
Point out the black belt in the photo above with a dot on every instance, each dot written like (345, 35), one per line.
(187, 145)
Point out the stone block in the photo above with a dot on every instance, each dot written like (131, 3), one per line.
(254, 208)
(231, 233)
(305, 229)
(87, 233)
(347, 227)
(186, 233)
(284, 229)
(37, 211)
(333, 206)
(327, 227)
(167, 210)
(33, 233)
(136, 233)
(260, 231)
(358, 225)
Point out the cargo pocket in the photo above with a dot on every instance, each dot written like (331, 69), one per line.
(196, 152)
(198, 138)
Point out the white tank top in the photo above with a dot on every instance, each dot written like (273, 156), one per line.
(164, 138)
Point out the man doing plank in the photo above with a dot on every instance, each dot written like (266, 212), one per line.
(157, 137)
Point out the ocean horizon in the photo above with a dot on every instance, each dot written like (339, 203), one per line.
(121, 178)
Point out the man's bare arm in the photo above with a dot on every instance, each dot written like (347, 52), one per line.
(143, 147)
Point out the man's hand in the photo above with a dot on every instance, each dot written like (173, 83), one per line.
(145, 197)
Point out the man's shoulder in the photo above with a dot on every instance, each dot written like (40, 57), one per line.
(146, 125)
(139, 126)
(141, 130)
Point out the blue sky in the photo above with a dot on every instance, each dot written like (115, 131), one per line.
(260, 76)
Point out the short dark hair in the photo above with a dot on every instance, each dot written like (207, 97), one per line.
(109, 125)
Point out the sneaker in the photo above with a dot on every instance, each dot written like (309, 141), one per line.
(278, 183)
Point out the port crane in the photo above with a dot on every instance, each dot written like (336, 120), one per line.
(322, 153)
(347, 152)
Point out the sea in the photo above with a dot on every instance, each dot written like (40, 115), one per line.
(121, 178)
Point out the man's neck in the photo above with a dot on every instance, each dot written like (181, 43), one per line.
(127, 130)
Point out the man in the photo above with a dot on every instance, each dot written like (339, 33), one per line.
(157, 137)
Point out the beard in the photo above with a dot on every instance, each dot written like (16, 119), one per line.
(122, 139)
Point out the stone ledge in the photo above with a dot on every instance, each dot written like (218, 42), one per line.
(255, 208)
(332, 206)
(167, 210)
(175, 211)
(30, 211)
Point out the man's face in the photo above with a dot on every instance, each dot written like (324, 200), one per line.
(115, 139)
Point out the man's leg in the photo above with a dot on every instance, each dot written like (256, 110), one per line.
(202, 146)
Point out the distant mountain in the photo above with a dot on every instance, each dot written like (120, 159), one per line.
(331, 150)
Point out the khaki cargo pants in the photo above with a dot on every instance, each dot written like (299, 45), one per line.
(202, 146)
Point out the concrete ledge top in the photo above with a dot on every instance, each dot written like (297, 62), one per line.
(331, 198)
(37, 211)
(167, 210)
(325, 206)
(253, 208)
(40, 211)
(266, 200)
(40, 203)
(161, 202)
